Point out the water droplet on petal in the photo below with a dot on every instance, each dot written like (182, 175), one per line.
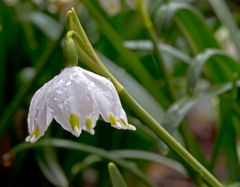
(68, 83)
(61, 81)
(55, 99)
(59, 91)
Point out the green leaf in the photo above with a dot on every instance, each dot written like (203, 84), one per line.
(210, 56)
(198, 36)
(190, 22)
(146, 45)
(116, 177)
(226, 142)
(83, 164)
(88, 149)
(50, 167)
(152, 157)
(237, 184)
(178, 110)
(227, 19)
(46, 24)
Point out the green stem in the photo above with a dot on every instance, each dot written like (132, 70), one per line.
(154, 38)
(74, 24)
(170, 141)
(157, 128)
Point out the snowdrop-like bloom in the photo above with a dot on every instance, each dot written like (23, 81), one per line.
(75, 99)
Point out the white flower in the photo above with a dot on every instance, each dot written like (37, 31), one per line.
(75, 98)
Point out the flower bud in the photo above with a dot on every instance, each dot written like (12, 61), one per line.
(70, 52)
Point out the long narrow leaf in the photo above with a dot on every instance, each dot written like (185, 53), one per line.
(176, 112)
(146, 45)
(88, 149)
(153, 157)
(211, 56)
(45, 23)
(51, 168)
(192, 25)
(116, 177)
(227, 19)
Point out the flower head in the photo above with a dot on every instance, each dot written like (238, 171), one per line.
(75, 99)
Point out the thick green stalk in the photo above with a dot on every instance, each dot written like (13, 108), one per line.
(169, 140)
(154, 38)
(156, 128)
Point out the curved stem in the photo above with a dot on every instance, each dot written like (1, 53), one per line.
(170, 141)
(147, 118)
(154, 38)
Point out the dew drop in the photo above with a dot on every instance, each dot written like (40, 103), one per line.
(55, 99)
(61, 81)
(59, 91)
(68, 83)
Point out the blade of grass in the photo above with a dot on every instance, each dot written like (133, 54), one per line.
(180, 108)
(190, 22)
(226, 142)
(192, 25)
(153, 157)
(146, 45)
(226, 18)
(211, 56)
(83, 164)
(116, 177)
(45, 23)
(50, 167)
(84, 148)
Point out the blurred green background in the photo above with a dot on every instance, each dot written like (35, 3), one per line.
(194, 46)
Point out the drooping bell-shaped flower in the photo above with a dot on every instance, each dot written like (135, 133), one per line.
(75, 99)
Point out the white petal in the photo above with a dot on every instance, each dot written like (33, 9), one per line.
(107, 100)
(69, 96)
(104, 94)
(39, 117)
